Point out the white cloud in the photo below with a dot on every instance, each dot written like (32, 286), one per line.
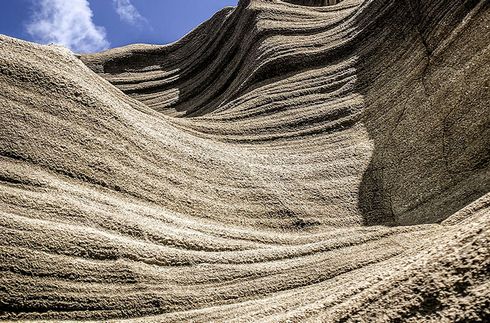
(68, 23)
(128, 13)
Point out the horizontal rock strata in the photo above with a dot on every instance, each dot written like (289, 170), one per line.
(285, 161)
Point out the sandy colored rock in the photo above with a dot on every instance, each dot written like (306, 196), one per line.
(283, 162)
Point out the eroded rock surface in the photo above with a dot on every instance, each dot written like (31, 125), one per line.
(282, 162)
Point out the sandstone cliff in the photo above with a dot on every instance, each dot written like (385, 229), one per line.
(285, 161)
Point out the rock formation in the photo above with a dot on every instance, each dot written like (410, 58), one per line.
(285, 161)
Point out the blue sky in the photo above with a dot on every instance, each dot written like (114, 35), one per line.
(94, 25)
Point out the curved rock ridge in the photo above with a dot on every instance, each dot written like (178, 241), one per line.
(283, 162)
(313, 3)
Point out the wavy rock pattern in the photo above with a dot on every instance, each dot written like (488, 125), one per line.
(330, 163)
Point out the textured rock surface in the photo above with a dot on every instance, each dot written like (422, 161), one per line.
(330, 162)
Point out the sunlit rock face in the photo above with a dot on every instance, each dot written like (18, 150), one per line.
(313, 3)
(283, 162)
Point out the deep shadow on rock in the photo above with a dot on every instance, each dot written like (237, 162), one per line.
(428, 116)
